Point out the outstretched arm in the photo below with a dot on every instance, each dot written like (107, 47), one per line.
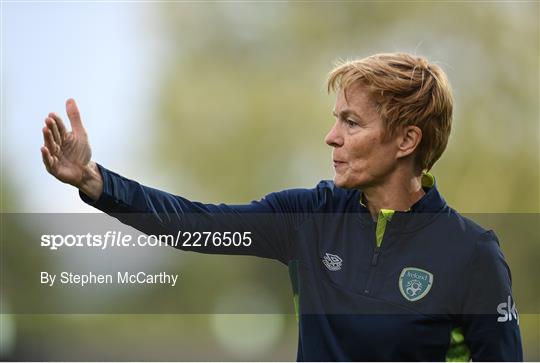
(67, 156)
(270, 221)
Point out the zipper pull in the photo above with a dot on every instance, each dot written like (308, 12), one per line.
(375, 256)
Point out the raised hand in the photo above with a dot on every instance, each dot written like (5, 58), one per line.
(67, 154)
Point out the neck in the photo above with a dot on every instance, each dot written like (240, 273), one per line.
(398, 192)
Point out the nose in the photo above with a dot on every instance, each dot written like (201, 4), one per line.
(333, 138)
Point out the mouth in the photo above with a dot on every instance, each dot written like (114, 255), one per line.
(338, 163)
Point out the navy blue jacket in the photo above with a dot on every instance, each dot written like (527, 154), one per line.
(426, 284)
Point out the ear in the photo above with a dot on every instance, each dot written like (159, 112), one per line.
(410, 137)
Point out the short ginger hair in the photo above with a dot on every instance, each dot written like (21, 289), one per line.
(407, 90)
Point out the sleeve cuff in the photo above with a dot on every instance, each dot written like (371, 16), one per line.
(106, 202)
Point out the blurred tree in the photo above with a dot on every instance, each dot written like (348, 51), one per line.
(244, 111)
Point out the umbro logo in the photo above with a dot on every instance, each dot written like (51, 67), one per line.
(332, 262)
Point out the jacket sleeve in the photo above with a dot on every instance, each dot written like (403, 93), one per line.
(490, 318)
(270, 222)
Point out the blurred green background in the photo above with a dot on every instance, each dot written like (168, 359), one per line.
(238, 109)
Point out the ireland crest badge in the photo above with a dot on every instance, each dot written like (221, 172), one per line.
(415, 283)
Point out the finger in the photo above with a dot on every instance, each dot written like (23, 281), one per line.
(47, 158)
(49, 141)
(56, 134)
(74, 116)
(61, 127)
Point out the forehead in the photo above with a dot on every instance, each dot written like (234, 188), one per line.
(355, 99)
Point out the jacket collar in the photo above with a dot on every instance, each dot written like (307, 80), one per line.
(420, 213)
(431, 202)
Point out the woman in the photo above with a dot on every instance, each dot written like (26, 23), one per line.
(382, 268)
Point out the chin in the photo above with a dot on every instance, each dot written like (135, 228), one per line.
(345, 183)
(341, 182)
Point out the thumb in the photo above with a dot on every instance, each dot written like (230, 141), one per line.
(74, 116)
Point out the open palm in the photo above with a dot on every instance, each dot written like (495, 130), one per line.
(66, 154)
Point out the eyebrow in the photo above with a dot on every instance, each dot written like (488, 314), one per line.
(346, 113)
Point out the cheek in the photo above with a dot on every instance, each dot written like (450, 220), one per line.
(370, 158)
(363, 150)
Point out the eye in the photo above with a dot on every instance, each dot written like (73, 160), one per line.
(351, 123)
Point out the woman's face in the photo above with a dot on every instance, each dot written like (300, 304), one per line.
(361, 157)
